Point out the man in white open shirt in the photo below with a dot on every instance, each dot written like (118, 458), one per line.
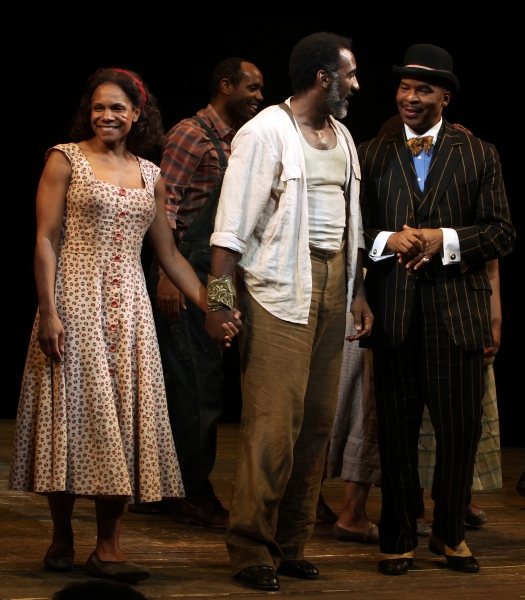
(289, 216)
(434, 212)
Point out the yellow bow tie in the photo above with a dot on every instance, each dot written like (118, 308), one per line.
(418, 143)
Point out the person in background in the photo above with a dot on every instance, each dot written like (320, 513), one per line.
(353, 453)
(194, 160)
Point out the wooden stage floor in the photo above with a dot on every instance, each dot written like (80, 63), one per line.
(191, 562)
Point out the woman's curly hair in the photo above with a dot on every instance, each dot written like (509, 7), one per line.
(146, 134)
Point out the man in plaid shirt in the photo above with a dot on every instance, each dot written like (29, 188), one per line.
(193, 163)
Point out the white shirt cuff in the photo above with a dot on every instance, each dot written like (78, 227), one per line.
(376, 253)
(451, 254)
(228, 240)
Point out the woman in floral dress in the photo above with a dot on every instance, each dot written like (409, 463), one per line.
(92, 418)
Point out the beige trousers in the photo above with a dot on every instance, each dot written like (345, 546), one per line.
(290, 377)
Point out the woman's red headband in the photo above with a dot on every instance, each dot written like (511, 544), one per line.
(139, 85)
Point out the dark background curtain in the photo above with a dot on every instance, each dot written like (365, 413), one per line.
(49, 52)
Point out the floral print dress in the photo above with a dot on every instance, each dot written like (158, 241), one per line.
(97, 423)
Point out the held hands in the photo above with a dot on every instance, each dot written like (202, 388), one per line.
(51, 336)
(170, 299)
(223, 325)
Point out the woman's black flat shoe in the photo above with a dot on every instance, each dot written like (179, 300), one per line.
(62, 564)
(476, 519)
(126, 571)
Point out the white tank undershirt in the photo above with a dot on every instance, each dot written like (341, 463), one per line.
(325, 181)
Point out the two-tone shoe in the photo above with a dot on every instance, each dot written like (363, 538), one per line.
(463, 564)
(395, 565)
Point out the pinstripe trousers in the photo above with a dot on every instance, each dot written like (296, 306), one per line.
(427, 368)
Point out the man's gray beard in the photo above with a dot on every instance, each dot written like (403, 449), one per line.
(337, 105)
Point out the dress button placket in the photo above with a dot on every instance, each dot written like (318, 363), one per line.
(116, 277)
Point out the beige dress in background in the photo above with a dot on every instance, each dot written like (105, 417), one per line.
(353, 453)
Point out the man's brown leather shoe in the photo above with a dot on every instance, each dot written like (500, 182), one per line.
(207, 513)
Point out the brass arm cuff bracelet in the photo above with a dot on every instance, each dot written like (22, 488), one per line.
(221, 292)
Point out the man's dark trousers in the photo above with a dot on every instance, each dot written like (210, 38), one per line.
(426, 368)
(193, 375)
(430, 329)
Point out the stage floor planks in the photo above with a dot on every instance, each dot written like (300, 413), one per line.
(192, 562)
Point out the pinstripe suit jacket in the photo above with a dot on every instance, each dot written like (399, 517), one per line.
(468, 195)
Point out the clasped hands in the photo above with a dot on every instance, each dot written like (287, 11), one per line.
(171, 301)
(415, 247)
(226, 320)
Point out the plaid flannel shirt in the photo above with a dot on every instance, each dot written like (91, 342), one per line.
(190, 166)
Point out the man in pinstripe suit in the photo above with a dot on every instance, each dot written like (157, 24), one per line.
(435, 211)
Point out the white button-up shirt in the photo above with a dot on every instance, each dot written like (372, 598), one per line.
(263, 213)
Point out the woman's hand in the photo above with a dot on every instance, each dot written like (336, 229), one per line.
(51, 336)
(231, 329)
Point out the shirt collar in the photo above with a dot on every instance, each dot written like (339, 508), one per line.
(219, 125)
(433, 131)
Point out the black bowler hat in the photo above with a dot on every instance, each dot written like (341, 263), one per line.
(428, 63)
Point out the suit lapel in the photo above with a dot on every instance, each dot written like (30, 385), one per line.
(444, 166)
(399, 159)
